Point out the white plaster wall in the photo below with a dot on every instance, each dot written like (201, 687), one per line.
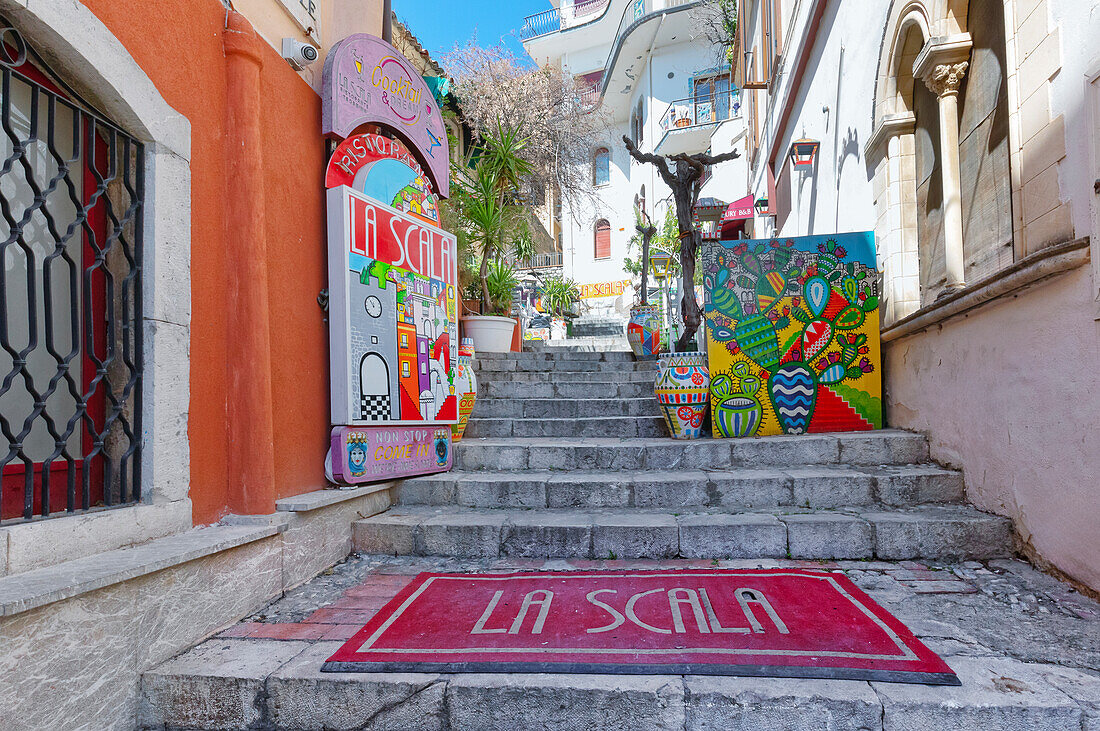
(1078, 24)
(836, 195)
(1010, 394)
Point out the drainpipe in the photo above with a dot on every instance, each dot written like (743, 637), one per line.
(250, 433)
(387, 21)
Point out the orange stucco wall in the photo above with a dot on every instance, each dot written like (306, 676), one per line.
(178, 43)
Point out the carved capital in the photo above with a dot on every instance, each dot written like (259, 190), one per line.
(945, 78)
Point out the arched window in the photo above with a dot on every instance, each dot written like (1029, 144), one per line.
(603, 239)
(601, 166)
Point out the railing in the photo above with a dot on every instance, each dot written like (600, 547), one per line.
(71, 202)
(636, 10)
(538, 261)
(556, 19)
(705, 109)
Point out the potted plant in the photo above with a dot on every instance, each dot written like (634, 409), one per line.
(559, 294)
(486, 209)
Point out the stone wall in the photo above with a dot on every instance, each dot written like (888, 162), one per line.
(71, 655)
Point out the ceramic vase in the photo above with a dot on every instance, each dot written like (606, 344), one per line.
(465, 386)
(643, 332)
(683, 390)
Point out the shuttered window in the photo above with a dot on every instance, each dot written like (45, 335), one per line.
(603, 239)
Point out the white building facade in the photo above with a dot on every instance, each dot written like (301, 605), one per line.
(966, 135)
(664, 84)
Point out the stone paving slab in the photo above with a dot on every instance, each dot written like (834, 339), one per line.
(1025, 646)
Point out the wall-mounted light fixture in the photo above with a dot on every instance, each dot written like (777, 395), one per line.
(762, 206)
(803, 152)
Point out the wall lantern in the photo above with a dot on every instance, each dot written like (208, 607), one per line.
(659, 262)
(803, 152)
(762, 206)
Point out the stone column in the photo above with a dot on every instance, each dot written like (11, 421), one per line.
(941, 64)
(944, 82)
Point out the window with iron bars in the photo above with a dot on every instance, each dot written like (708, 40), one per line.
(71, 203)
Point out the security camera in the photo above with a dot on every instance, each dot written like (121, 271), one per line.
(298, 54)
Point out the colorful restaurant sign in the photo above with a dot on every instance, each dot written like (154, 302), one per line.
(366, 80)
(386, 453)
(393, 316)
(385, 170)
(603, 289)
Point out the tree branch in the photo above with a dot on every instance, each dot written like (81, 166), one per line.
(658, 160)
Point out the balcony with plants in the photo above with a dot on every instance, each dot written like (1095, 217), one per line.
(686, 125)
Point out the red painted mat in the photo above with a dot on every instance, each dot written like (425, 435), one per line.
(777, 622)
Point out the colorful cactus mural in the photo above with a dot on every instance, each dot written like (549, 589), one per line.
(793, 335)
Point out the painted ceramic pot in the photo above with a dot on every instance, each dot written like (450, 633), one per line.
(793, 390)
(465, 386)
(683, 390)
(738, 416)
(643, 332)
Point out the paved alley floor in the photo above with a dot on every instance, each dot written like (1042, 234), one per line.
(1026, 648)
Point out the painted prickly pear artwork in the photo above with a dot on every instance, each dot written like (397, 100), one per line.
(793, 334)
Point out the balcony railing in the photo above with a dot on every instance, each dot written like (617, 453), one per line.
(636, 10)
(538, 261)
(556, 19)
(704, 109)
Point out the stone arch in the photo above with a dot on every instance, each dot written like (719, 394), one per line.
(908, 23)
(76, 44)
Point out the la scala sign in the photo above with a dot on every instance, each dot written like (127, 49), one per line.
(365, 80)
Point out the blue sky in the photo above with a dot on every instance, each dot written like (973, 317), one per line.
(440, 24)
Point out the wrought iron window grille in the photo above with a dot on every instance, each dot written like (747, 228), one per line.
(72, 195)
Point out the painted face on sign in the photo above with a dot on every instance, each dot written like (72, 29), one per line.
(357, 457)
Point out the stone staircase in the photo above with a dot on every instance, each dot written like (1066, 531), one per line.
(566, 456)
(593, 480)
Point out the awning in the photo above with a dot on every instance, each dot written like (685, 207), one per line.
(733, 220)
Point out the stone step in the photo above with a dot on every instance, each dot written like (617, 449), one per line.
(561, 388)
(610, 377)
(551, 354)
(588, 344)
(609, 426)
(885, 447)
(563, 408)
(565, 366)
(826, 486)
(932, 532)
(277, 684)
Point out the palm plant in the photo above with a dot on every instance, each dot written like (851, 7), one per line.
(559, 294)
(500, 281)
(486, 198)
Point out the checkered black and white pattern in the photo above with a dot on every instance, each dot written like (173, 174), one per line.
(375, 407)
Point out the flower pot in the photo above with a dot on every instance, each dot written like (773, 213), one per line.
(465, 387)
(683, 389)
(793, 390)
(643, 331)
(490, 334)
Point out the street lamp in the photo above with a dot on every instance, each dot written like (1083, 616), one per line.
(803, 152)
(659, 264)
